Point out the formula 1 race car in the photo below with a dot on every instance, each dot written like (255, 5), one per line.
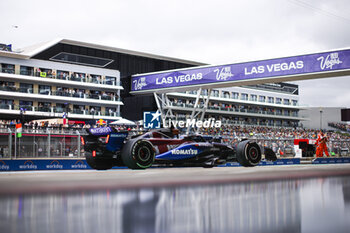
(106, 148)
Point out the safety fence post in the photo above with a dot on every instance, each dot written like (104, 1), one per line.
(10, 143)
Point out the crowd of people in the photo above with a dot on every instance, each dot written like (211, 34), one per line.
(280, 139)
(226, 130)
(340, 126)
(262, 132)
(36, 126)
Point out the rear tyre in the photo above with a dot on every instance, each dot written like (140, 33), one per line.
(138, 154)
(248, 153)
(98, 163)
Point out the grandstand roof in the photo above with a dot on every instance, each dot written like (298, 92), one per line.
(31, 51)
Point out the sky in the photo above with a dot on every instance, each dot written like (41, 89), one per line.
(212, 32)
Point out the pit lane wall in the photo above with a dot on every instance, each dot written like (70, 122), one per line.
(80, 164)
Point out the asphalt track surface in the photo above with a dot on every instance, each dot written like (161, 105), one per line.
(92, 180)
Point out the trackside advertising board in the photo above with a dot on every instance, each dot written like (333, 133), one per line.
(326, 64)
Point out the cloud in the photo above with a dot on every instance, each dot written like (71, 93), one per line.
(212, 32)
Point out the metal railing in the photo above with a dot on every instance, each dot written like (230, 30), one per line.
(67, 76)
(66, 143)
(41, 143)
(102, 96)
(55, 109)
(230, 109)
(286, 146)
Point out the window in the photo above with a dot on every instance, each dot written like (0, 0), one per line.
(262, 99)
(286, 102)
(270, 100)
(77, 77)
(94, 110)
(107, 95)
(44, 73)
(253, 97)
(7, 86)
(94, 78)
(111, 80)
(278, 100)
(244, 96)
(44, 90)
(215, 93)
(5, 104)
(295, 102)
(8, 68)
(79, 93)
(205, 92)
(62, 91)
(62, 108)
(26, 88)
(26, 105)
(235, 95)
(26, 70)
(78, 109)
(225, 94)
(81, 59)
(94, 94)
(62, 74)
(110, 111)
(44, 107)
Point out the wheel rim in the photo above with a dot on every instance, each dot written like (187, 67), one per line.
(144, 154)
(253, 153)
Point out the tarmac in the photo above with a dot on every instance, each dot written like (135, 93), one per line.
(84, 180)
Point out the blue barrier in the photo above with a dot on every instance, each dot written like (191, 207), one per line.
(330, 160)
(80, 164)
(45, 164)
(268, 163)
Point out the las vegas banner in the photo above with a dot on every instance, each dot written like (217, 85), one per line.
(320, 63)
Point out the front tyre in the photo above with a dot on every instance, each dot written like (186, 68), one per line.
(138, 154)
(98, 163)
(248, 153)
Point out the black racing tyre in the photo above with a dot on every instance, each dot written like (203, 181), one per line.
(98, 163)
(138, 154)
(248, 153)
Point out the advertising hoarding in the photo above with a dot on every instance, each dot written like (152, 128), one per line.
(327, 64)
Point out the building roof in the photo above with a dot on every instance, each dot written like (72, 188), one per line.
(31, 51)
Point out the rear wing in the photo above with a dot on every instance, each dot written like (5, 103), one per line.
(100, 131)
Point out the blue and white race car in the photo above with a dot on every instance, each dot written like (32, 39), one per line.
(106, 148)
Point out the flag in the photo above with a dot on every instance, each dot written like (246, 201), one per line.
(64, 116)
(19, 130)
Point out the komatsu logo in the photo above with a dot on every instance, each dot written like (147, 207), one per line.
(185, 152)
